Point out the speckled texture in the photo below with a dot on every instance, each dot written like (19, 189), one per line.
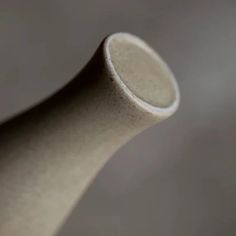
(50, 154)
(143, 72)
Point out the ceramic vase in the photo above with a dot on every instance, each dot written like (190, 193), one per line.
(50, 154)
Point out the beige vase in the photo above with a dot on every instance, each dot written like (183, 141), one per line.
(50, 154)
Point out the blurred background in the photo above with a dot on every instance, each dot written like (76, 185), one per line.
(178, 178)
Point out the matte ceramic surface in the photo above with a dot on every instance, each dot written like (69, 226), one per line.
(50, 154)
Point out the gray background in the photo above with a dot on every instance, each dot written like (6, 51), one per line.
(178, 178)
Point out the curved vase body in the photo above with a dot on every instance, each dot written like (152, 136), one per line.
(50, 154)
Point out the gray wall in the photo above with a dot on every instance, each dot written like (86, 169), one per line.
(178, 178)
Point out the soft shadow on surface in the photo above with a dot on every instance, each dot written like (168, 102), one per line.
(191, 192)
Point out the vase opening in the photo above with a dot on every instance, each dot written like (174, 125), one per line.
(142, 72)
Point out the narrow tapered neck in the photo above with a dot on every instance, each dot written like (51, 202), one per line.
(50, 154)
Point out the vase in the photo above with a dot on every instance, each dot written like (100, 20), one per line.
(50, 154)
